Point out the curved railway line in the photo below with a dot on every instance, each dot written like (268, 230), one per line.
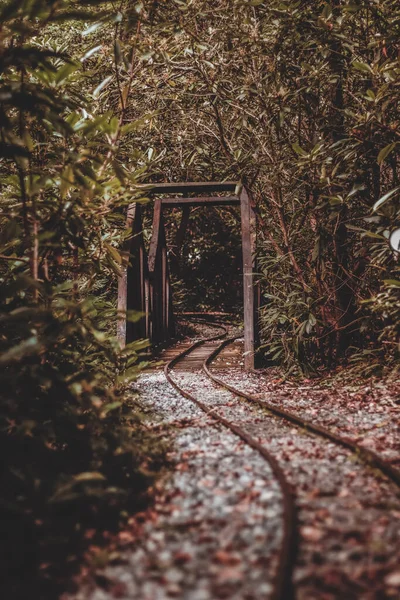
(282, 584)
(369, 456)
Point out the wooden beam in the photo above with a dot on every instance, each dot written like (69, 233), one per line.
(162, 323)
(133, 282)
(250, 293)
(155, 235)
(200, 201)
(192, 186)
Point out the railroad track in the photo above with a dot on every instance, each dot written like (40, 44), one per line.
(211, 348)
(282, 585)
(369, 456)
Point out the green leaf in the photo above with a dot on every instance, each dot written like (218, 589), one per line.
(375, 236)
(392, 282)
(65, 71)
(25, 348)
(92, 28)
(67, 180)
(385, 198)
(327, 12)
(117, 52)
(112, 406)
(89, 476)
(385, 152)
(138, 124)
(299, 150)
(88, 125)
(361, 66)
(335, 200)
(91, 52)
(101, 86)
(358, 187)
(113, 253)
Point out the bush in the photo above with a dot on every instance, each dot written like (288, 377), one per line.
(301, 102)
(74, 452)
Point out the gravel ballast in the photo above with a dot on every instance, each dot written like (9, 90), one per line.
(215, 528)
(216, 525)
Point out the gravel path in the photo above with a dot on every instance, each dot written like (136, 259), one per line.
(367, 412)
(216, 525)
(349, 516)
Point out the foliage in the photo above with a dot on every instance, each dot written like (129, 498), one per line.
(206, 273)
(72, 445)
(301, 101)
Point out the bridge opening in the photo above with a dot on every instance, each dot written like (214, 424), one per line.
(205, 259)
(149, 275)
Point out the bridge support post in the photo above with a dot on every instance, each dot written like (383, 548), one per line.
(162, 322)
(250, 288)
(133, 283)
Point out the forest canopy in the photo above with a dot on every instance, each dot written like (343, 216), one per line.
(299, 101)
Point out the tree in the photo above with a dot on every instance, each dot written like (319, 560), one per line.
(74, 448)
(301, 102)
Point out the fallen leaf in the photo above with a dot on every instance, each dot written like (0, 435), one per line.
(393, 579)
(226, 558)
(182, 557)
(311, 534)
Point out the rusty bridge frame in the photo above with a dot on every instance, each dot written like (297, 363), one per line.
(144, 285)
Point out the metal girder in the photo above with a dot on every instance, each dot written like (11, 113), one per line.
(133, 283)
(192, 186)
(150, 281)
(200, 201)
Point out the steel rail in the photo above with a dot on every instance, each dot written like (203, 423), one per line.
(368, 456)
(282, 586)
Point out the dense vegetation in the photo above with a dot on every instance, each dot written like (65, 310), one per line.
(205, 273)
(72, 446)
(300, 100)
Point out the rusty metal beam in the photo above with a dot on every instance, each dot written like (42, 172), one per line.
(200, 201)
(250, 291)
(162, 318)
(133, 282)
(193, 186)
